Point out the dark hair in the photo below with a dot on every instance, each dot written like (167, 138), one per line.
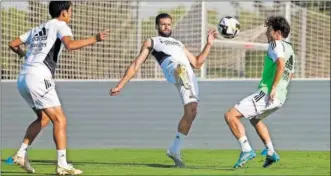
(160, 16)
(279, 23)
(56, 7)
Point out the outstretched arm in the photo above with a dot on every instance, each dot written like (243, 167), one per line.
(71, 44)
(197, 61)
(134, 67)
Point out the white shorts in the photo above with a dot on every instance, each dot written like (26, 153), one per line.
(187, 95)
(257, 106)
(38, 91)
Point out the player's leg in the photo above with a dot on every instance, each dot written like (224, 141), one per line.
(184, 126)
(245, 108)
(264, 134)
(40, 93)
(189, 96)
(232, 118)
(182, 76)
(33, 130)
(59, 120)
(35, 127)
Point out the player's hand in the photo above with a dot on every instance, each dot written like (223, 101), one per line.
(102, 35)
(211, 36)
(272, 95)
(114, 91)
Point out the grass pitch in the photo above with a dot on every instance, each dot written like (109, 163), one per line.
(154, 162)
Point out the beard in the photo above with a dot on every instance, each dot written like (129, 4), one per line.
(165, 34)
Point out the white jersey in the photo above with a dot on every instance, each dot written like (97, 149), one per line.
(168, 47)
(44, 47)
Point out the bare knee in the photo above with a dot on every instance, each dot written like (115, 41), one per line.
(42, 117)
(57, 116)
(60, 120)
(190, 112)
(232, 115)
(228, 116)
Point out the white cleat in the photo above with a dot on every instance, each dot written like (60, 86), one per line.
(183, 77)
(23, 162)
(68, 170)
(176, 158)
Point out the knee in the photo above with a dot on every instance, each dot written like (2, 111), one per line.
(44, 121)
(60, 120)
(192, 113)
(228, 116)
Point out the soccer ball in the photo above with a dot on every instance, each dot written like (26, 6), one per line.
(229, 27)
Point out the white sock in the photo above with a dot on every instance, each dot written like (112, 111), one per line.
(270, 148)
(245, 147)
(22, 151)
(175, 147)
(62, 158)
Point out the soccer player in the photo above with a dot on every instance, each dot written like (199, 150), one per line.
(35, 81)
(270, 95)
(176, 62)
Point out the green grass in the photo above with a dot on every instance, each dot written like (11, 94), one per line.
(154, 162)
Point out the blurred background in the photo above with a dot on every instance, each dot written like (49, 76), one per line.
(131, 22)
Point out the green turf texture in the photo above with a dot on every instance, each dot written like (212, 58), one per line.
(155, 162)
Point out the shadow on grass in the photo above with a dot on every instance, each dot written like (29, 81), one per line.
(154, 165)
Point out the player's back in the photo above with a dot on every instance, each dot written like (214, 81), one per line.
(44, 47)
(164, 47)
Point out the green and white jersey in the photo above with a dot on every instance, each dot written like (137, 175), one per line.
(277, 49)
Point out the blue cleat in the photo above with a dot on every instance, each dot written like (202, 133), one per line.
(244, 157)
(264, 152)
(9, 160)
(271, 159)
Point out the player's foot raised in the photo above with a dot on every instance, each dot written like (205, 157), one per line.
(244, 157)
(176, 158)
(23, 162)
(68, 170)
(183, 78)
(270, 159)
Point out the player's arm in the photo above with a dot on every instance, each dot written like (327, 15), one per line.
(278, 56)
(15, 44)
(197, 61)
(134, 67)
(64, 33)
(71, 44)
(280, 62)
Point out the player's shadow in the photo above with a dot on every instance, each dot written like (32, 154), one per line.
(21, 173)
(155, 165)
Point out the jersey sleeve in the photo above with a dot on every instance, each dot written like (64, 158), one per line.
(277, 50)
(64, 30)
(25, 37)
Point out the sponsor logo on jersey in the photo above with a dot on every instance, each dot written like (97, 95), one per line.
(170, 42)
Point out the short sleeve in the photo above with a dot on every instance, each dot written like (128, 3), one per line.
(64, 31)
(25, 37)
(276, 50)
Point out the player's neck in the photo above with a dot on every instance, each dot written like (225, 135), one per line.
(59, 19)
